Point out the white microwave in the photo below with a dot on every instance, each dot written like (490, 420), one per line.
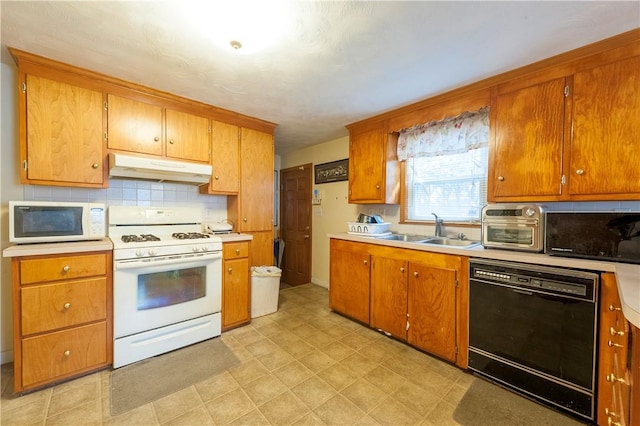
(47, 222)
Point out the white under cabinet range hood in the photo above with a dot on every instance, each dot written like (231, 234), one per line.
(161, 170)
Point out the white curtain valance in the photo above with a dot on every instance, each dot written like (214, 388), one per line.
(453, 135)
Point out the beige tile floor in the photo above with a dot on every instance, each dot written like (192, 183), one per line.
(302, 365)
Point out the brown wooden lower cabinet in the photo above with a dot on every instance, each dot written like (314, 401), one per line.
(619, 361)
(62, 307)
(236, 285)
(412, 295)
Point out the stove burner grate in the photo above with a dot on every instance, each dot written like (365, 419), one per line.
(188, 235)
(132, 238)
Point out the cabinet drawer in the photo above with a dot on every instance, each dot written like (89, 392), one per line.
(63, 353)
(52, 306)
(62, 268)
(235, 250)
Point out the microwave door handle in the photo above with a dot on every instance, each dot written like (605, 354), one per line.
(140, 264)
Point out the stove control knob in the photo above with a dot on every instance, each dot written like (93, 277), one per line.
(153, 252)
(194, 249)
(139, 253)
(529, 212)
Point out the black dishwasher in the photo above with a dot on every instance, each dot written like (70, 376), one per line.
(534, 329)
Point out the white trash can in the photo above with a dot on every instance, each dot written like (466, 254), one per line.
(265, 289)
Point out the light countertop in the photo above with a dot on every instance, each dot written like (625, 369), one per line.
(627, 275)
(235, 236)
(57, 248)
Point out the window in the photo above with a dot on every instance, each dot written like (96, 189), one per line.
(446, 168)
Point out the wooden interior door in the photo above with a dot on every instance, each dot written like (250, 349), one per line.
(295, 208)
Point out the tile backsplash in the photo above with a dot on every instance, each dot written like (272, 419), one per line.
(124, 192)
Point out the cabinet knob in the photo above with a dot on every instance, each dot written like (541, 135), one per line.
(378, 186)
(94, 165)
(66, 268)
(500, 178)
(237, 251)
(171, 141)
(613, 308)
(579, 172)
(217, 177)
(156, 139)
(614, 345)
(230, 269)
(66, 305)
(402, 269)
(67, 353)
(612, 378)
(415, 274)
(615, 332)
(365, 262)
(244, 219)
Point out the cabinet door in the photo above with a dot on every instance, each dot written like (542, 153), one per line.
(262, 248)
(236, 301)
(134, 126)
(526, 151)
(432, 309)
(389, 295)
(604, 155)
(366, 168)
(188, 136)
(349, 283)
(256, 181)
(225, 159)
(64, 133)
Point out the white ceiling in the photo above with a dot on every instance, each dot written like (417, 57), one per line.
(338, 62)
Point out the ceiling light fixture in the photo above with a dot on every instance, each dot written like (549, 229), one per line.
(240, 26)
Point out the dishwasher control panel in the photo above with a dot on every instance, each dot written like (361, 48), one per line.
(568, 282)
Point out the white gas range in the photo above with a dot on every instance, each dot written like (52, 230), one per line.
(167, 281)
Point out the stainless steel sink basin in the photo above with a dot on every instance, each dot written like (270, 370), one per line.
(408, 238)
(442, 241)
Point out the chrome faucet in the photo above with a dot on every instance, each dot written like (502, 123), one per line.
(439, 225)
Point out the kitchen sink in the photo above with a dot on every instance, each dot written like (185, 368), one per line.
(443, 241)
(408, 238)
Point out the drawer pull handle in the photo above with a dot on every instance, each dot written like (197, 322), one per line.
(613, 332)
(613, 308)
(237, 251)
(67, 353)
(612, 378)
(67, 306)
(614, 345)
(66, 268)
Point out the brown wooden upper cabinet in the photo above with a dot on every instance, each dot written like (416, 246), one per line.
(61, 133)
(225, 159)
(373, 166)
(567, 138)
(145, 128)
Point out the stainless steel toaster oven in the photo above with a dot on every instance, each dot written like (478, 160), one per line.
(513, 227)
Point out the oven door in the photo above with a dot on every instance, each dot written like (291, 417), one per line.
(516, 235)
(151, 293)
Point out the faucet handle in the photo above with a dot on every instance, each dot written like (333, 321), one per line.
(461, 236)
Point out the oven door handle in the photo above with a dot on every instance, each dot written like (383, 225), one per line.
(138, 264)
